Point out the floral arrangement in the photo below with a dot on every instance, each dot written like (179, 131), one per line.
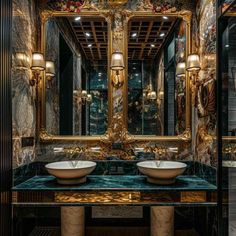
(66, 5)
(164, 7)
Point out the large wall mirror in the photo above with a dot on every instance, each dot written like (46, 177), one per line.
(76, 98)
(156, 98)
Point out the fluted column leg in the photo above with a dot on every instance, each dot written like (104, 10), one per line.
(72, 221)
(162, 221)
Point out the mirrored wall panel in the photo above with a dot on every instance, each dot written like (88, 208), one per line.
(156, 96)
(228, 69)
(77, 96)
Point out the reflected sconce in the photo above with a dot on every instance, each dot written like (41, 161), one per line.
(161, 94)
(181, 70)
(82, 97)
(149, 94)
(117, 65)
(193, 67)
(37, 66)
(50, 70)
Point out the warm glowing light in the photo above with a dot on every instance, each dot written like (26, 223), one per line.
(38, 62)
(77, 18)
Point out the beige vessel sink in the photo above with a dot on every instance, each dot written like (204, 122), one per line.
(71, 172)
(161, 172)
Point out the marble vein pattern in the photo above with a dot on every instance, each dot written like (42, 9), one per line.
(206, 46)
(24, 34)
(116, 183)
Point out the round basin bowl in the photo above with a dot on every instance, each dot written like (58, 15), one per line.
(71, 172)
(161, 172)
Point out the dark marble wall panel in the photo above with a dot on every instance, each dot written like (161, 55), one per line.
(205, 43)
(24, 39)
(52, 86)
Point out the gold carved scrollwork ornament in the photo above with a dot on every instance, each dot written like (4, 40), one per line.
(186, 15)
(205, 137)
(44, 136)
(45, 15)
(186, 135)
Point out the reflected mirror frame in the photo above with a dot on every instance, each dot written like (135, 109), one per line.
(186, 16)
(41, 131)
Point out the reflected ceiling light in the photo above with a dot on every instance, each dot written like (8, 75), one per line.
(165, 17)
(89, 45)
(180, 69)
(153, 45)
(227, 45)
(77, 18)
(136, 75)
(162, 34)
(87, 34)
(134, 35)
(100, 74)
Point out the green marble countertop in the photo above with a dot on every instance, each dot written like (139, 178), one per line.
(116, 183)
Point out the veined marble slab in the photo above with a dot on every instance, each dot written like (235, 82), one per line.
(116, 183)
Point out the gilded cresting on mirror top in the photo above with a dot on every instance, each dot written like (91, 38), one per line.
(117, 17)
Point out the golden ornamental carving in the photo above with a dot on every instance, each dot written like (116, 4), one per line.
(203, 134)
(229, 149)
(118, 19)
(44, 136)
(186, 135)
(45, 15)
(186, 15)
(144, 5)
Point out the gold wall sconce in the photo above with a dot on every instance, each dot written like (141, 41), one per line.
(193, 67)
(38, 66)
(181, 70)
(117, 65)
(82, 97)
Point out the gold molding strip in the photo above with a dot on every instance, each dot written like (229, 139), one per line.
(114, 197)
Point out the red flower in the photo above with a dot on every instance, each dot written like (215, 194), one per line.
(78, 4)
(78, 10)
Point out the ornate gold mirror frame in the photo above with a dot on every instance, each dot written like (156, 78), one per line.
(117, 17)
(43, 134)
(186, 135)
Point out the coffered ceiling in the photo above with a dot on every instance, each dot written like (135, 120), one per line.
(145, 36)
(91, 33)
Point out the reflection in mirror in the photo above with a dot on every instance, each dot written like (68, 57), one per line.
(77, 96)
(228, 69)
(156, 96)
